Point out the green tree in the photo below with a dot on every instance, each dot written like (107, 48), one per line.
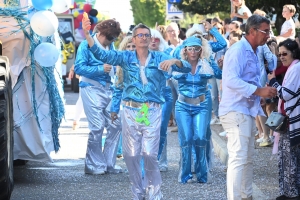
(269, 6)
(204, 7)
(273, 7)
(148, 12)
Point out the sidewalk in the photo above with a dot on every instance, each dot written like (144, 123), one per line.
(265, 186)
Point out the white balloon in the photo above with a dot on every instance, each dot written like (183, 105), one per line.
(60, 6)
(46, 54)
(44, 23)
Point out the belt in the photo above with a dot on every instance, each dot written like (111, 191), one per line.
(193, 101)
(95, 83)
(135, 104)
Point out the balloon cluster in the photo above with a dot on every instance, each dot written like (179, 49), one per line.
(93, 14)
(44, 23)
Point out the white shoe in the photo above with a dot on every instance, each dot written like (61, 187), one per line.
(223, 134)
(260, 140)
(214, 120)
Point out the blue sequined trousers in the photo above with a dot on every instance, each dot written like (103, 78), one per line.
(192, 121)
(166, 114)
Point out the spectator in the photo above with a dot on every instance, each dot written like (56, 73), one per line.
(234, 26)
(240, 104)
(288, 27)
(234, 37)
(163, 31)
(241, 10)
(289, 144)
(227, 22)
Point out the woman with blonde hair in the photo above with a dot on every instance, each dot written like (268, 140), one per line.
(192, 108)
(163, 30)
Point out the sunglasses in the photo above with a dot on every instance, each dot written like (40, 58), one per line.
(195, 49)
(282, 54)
(111, 38)
(141, 35)
(154, 39)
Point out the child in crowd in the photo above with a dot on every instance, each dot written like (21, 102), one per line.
(288, 27)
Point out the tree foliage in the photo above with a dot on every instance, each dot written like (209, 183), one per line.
(269, 6)
(149, 12)
(204, 7)
(273, 7)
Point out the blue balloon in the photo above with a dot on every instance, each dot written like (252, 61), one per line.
(42, 4)
(46, 54)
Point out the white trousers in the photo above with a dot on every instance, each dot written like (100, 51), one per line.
(241, 131)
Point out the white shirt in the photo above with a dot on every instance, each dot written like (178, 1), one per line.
(286, 26)
(240, 79)
(244, 9)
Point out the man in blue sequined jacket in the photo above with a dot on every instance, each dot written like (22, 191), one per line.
(144, 76)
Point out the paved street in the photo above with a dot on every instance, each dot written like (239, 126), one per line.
(65, 178)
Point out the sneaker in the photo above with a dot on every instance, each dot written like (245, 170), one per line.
(191, 181)
(96, 172)
(117, 169)
(259, 140)
(215, 120)
(223, 134)
(265, 143)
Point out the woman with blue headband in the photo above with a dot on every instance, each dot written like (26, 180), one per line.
(192, 108)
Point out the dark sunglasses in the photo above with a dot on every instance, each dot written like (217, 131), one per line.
(130, 46)
(141, 35)
(111, 38)
(282, 54)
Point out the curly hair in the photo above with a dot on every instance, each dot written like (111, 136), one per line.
(206, 49)
(163, 30)
(109, 28)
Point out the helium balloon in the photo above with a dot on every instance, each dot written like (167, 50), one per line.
(87, 8)
(76, 23)
(93, 12)
(60, 6)
(42, 4)
(46, 54)
(75, 13)
(44, 23)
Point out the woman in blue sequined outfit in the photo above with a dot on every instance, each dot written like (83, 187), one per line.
(192, 108)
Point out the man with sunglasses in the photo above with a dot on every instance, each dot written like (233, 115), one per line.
(96, 94)
(145, 74)
(240, 104)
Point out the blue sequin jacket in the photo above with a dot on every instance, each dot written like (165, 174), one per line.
(88, 66)
(133, 87)
(195, 85)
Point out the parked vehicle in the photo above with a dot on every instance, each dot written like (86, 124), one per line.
(6, 130)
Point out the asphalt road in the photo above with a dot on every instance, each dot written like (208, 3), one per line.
(65, 177)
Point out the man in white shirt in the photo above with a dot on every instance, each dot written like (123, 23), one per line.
(240, 104)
